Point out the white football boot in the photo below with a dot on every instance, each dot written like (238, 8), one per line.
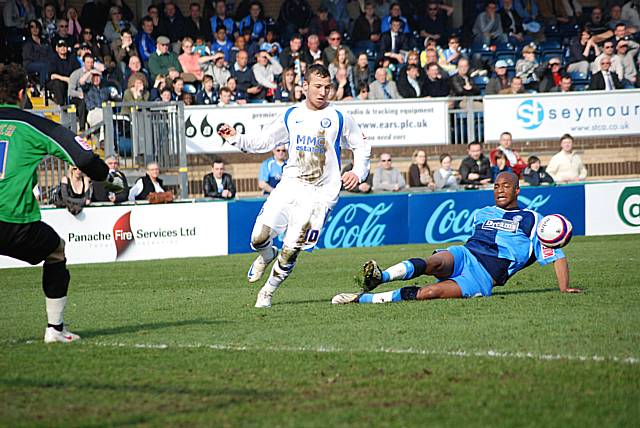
(259, 265)
(51, 335)
(344, 298)
(264, 299)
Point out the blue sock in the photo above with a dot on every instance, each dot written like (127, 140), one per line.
(404, 293)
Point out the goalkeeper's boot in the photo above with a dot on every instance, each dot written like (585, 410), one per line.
(371, 276)
(344, 298)
(259, 265)
(51, 335)
(264, 299)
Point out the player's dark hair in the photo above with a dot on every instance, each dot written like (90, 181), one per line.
(444, 156)
(217, 160)
(396, 19)
(319, 70)
(506, 133)
(532, 160)
(85, 56)
(13, 79)
(473, 143)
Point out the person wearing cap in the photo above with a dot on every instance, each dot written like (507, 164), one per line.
(163, 59)
(499, 81)
(61, 66)
(629, 74)
(552, 75)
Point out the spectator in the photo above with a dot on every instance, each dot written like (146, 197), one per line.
(159, 27)
(285, 91)
(62, 33)
(159, 85)
(487, 28)
(413, 57)
(410, 87)
(434, 85)
(145, 186)
(342, 84)
(220, 72)
(514, 160)
(363, 91)
(162, 60)
(271, 170)
(566, 85)
(225, 97)
(387, 178)
(552, 75)
(237, 96)
(49, 22)
(340, 59)
(446, 177)
(361, 72)
(270, 44)
(221, 43)
(136, 93)
(313, 51)
(298, 94)
(604, 80)
(36, 53)
(75, 190)
(323, 24)
(175, 26)
(207, 95)
(381, 88)
(218, 184)
(500, 166)
(364, 187)
(145, 43)
(134, 70)
(534, 174)
(220, 18)
(629, 74)
(16, 14)
(434, 23)
(475, 169)
(94, 96)
(527, 68)
(366, 29)
(61, 67)
(449, 57)
(177, 86)
(196, 25)
(116, 25)
(75, 29)
(291, 55)
(429, 56)
(553, 12)
(566, 166)
(394, 12)
(100, 194)
(244, 76)
(419, 172)
(596, 25)
(527, 9)
(607, 50)
(123, 48)
(191, 61)
(393, 43)
(335, 42)
(514, 88)
(77, 80)
(500, 81)
(294, 18)
(97, 49)
(265, 72)
(461, 84)
(254, 22)
(512, 22)
(582, 52)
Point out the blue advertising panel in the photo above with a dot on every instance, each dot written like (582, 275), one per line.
(448, 217)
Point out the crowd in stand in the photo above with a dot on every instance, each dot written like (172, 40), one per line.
(228, 52)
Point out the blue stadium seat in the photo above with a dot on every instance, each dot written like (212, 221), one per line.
(481, 82)
(505, 48)
(549, 45)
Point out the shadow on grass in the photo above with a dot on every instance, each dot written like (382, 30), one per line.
(303, 302)
(539, 290)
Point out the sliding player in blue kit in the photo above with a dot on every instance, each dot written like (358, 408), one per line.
(504, 242)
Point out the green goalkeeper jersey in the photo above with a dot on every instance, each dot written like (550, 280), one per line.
(25, 139)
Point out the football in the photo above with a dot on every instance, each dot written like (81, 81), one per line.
(554, 231)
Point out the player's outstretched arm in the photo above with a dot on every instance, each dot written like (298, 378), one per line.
(562, 274)
(270, 136)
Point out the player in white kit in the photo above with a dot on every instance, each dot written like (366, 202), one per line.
(314, 133)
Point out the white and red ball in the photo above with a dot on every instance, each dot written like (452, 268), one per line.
(554, 231)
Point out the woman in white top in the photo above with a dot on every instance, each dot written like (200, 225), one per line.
(445, 177)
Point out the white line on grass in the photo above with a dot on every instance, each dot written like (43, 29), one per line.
(322, 349)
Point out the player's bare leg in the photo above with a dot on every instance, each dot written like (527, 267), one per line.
(279, 272)
(55, 283)
(447, 289)
(262, 242)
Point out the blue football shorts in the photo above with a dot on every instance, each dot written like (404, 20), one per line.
(472, 278)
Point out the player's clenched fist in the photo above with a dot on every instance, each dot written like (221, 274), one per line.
(226, 131)
(350, 180)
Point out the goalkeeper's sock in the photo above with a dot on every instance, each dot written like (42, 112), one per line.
(404, 293)
(407, 269)
(55, 312)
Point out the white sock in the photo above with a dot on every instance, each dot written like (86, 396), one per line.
(276, 277)
(266, 253)
(398, 271)
(55, 310)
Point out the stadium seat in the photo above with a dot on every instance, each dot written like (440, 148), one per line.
(190, 88)
(481, 82)
(505, 48)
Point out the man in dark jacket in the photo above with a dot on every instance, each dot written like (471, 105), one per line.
(434, 84)
(218, 184)
(101, 194)
(475, 169)
(605, 79)
(150, 183)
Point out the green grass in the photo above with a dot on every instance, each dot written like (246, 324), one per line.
(178, 343)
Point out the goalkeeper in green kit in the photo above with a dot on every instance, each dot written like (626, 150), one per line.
(24, 140)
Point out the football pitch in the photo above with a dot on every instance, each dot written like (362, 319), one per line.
(178, 343)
